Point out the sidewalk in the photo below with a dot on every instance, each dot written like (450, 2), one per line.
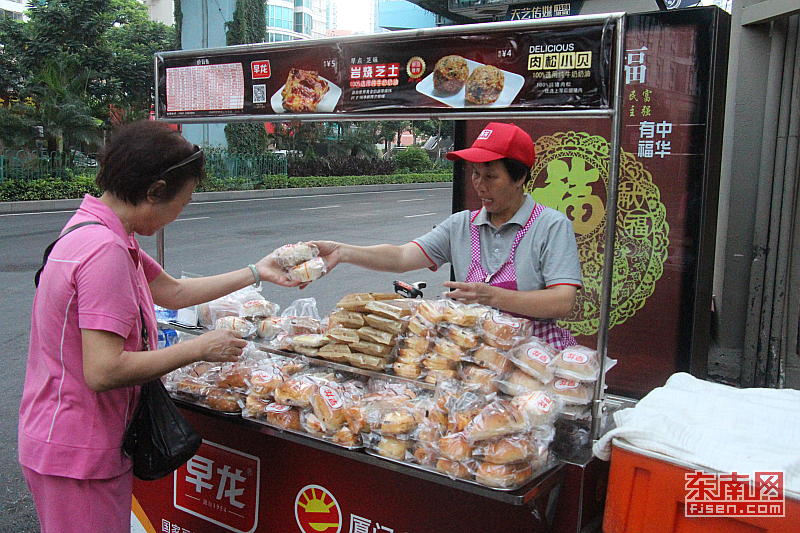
(38, 206)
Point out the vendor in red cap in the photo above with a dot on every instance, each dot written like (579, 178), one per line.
(513, 254)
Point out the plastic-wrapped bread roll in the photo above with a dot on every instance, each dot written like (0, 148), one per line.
(394, 309)
(407, 370)
(328, 405)
(393, 448)
(448, 349)
(503, 475)
(342, 335)
(538, 408)
(311, 340)
(416, 343)
(497, 419)
(467, 338)
(295, 392)
(344, 436)
(579, 363)
(389, 325)
(224, 400)
(518, 382)
(334, 351)
(346, 319)
(480, 378)
(234, 323)
(571, 392)
(510, 449)
(420, 326)
(491, 358)
(455, 447)
(269, 327)
(453, 469)
(265, 380)
(371, 348)
(366, 361)
(503, 331)
(370, 334)
(234, 376)
(358, 301)
(283, 416)
(431, 310)
(398, 422)
(309, 271)
(259, 308)
(290, 255)
(536, 358)
(461, 314)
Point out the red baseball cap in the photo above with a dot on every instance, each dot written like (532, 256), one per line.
(499, 140)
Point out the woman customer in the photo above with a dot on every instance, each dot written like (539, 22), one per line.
(88, 347)
(513, 254)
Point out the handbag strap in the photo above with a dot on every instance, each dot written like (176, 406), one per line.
(50, 246)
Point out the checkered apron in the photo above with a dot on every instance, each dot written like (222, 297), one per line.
(506, 278)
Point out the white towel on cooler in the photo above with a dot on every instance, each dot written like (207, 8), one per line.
(715, 426)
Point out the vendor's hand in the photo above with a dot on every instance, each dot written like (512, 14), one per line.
(470, 293)
(330, 251)
(270, 270)
(221, 345)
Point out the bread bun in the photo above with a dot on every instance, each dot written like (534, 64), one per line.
(453, 469)
(571, 392)
(535, 357)
(345, 437)
(264, 381)
(233, 376)
(407, 370)
(463, 315)
(420, 326)
(393, 448)
(438, 362)
(258, 308)
(497, 419)
(290, 255)
(432, 311)
(301, 325)
(455, 447)
(224, 400)
(366, 361)
(398, 423)
(311, 270)
(578, 363)
(503, 475)
(511, 449)
(417, 343)
(448, 349)
(502, 330)
(328, 406)
(463, 337)
(269, 327)
(425, 455)
(408, 356)
(484, 85)
(435, 376)
(491, 358)
(283, 416)
(295, 392)
(538, 408)
(480, 378)
(389, 325)
(234, 323)
(342, 335)
(346, 319)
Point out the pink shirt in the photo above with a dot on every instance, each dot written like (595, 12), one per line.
(96, 278)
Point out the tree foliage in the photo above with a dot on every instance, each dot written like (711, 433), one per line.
(75, 61)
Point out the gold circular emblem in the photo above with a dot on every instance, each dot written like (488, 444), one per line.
(415, 67)
(571, 175)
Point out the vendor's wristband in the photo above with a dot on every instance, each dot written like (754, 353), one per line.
(254, 270)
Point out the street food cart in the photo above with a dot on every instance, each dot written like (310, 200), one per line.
(625, 111)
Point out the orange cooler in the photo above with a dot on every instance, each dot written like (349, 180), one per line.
(647, 494)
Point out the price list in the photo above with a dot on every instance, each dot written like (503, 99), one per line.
(205, 88)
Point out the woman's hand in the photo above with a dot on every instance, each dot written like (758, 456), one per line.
(221, 345)
(330, 251)
(470, 293)
(270, 270)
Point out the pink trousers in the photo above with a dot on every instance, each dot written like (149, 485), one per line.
(67, 505)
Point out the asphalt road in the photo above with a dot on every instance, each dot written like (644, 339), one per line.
(208, 238)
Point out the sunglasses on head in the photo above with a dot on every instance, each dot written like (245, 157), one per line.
(198, 153)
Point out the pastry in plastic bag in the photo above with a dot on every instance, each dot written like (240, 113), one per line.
(390, 325)
(269, 328)
(407, 370)
(491, 358)
(503, 475)
(295, 391)
(259, 308)
(455, 447)
(234, 323)
(453, 469)
(462, 314)
(482, 379)
(283, 416)
(309, 271)
(290, 255)
(578, 363)
(346, 319)
(536, 358)
(538, 408)
(328, 406)
(502, 330)
(571, 392)
(501, 417)
(334, 351)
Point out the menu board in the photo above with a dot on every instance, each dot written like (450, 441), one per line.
(498, 68)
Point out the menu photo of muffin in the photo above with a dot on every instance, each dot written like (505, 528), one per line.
(460, 82)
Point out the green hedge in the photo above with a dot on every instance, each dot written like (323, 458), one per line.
(20, 190)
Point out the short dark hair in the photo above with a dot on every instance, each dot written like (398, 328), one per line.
(517, 169)
(143, 152)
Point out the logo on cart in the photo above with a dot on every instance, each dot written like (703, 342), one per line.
(317, 511)
(735, 494)
(220, 485)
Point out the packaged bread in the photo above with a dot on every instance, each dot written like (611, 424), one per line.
(234, 323)
(264, 380)
(254, 406)
(578, 363)
(502, 330)
(334, 351)
(571, 392)
(290, 255)
(311, 340)
(511, 449)
(358, 301)
(309, 271)
(295, 391)
(407, 370)
(398, 421)
(225, 400)
(416, 343)
(517, 382)
(235, 375)
(424, 454)
(491, 358)
(269, 328)
(454, 447)
(283, 416)
(394, 309)
(342, 335)
(370, 334)
(259, 309)
(536, 358)
(435, 361)
(435, 376)
(453, 469)
(345, 318)
(499, 418)
(328, 406)
(409, 356)
(462, 314)
(390, 325)
(366, 361)
(301, 325)
(482, 379)
(431, 310)
(538, 408)
(344, 436)
(421, 327)
(467, 338)
(371, 348)
(387, 446)
(448, 349)
(503, 475)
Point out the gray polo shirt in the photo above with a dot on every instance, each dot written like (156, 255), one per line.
(547, 255)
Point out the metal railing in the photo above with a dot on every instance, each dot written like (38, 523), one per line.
(26, 165)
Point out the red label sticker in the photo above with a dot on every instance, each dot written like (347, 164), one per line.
(565, 384)
(220, 485)
(260, 69)
(317, 511)
(579, 358)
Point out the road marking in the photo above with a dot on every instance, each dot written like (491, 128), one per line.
(193, 218)
(422, 215)
(411, 200)
(320, 207)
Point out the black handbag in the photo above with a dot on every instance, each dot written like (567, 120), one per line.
(159, 439)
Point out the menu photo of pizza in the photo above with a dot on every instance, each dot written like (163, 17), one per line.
(460, 82)
(305, 91)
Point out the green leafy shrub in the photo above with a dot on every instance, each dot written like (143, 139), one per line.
(412, 159)
(43, 189)
(339, 166)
